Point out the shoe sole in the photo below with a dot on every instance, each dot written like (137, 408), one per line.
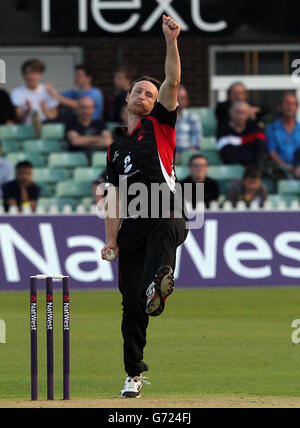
(130, 396)
(164, 287)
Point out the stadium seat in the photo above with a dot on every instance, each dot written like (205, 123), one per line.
(208, 119)
(46, 189)
(87, 202)
(209, 144)
(50, 175)
(67, 160)
(16, 132)
(226, 172)
(87, 174)
(53, 131)
(43, 146)
(276, 199)
(182, 172)
(269, 185)
(11, 146)
(36, 159)
(289, 187)
(112, 126)
(70, 189)
(213, 158)
(46, 203)
(99, 160)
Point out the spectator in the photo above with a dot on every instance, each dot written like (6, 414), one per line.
(250, 189)
(6, 171)
(284, 134)
(297, 163)
(188, 126)
(32, 99)
(114, 101)
(7, 109)
(84, 133)
(238, 92)
(241, 140)
(84, 83)
(198, 174)
(22, 191)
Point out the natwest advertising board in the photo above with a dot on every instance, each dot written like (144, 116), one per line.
(232, 249)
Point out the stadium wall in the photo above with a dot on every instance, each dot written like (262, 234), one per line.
(247, 249)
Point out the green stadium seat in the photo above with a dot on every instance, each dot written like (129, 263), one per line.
(11, 146)
(182, 172)
(67, 160)
(226, 172)
(46, 203)
(53, 131)
(288, 199)
(208, 119)
(112, 126)
(43, 146)
(50, 175)
(209, 144)
(289, 187)
(269, 185)
(46, 190)
(213, 158)
(71, 189)
(87, 174)
(36, 159)
(99, 160)
(16, 132)
(87, 202)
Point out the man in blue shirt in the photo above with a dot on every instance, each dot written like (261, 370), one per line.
(284, 134)
(84, 83)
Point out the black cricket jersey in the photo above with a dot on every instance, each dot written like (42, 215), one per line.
(147, 155)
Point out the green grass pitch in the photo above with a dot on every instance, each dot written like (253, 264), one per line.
(208, 342)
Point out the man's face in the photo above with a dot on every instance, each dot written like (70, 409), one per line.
(24, 176)
(142, 98)
(198, 169)
(121, 81)
(32, 78)
(86, 108)
(82, 79)
(252, 185)
(289, 107)
(238, 93)
(240, 114)
(183, 98)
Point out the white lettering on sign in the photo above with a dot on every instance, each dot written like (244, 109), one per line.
(163, 7)
(103, 270)
(10, 240)
(282, 246)
(234, 256)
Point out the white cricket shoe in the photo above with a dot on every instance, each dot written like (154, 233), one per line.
(133, 386)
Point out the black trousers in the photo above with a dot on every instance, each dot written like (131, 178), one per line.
(145, 245)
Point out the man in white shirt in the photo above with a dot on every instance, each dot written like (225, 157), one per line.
(33, 97)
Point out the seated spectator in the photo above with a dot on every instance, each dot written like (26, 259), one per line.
(85, 134)
(22, 191)
(7, 109)
(283, 135)
(238, 92)
(114, 101)
(6, 171)
(250, 189)
(297, 163)
(32, 100)
(198, 174)
(241, 141)
(188, 126)
(84, 84)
